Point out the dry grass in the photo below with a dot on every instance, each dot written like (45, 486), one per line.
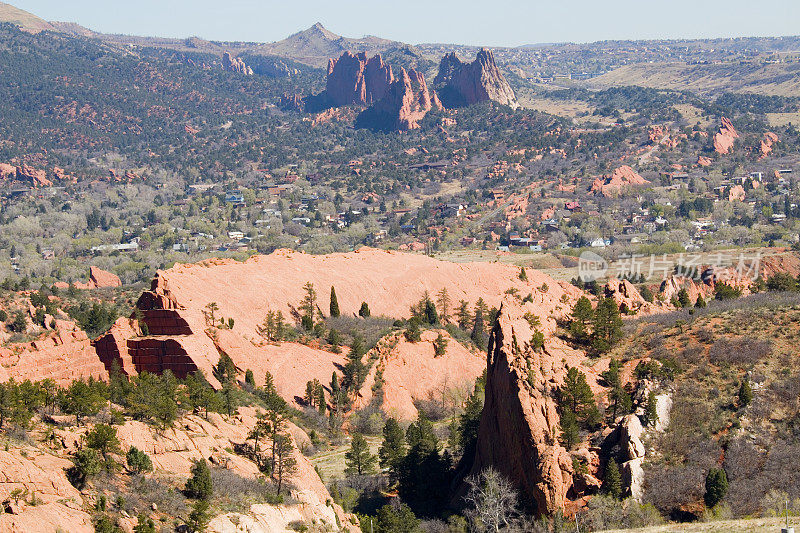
(761, 525)
(783, 119)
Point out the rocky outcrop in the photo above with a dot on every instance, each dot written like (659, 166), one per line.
(32, 176)
(518, 433)
(766, 144)
(235, 64)
(613, 184)
(291, 102)
(736, 194)
(627, 296)
(100, 279)
(64, 355)
(354, 79)
(725, 137)
(465, 84)
(703, 161)
(404, 104)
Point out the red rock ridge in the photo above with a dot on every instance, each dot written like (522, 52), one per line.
(470, 83)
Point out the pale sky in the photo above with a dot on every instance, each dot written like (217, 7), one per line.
(489, 23)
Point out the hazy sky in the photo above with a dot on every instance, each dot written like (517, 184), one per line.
(491, 23)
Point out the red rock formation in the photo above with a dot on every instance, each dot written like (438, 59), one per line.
(235, 64)
(627, 296)
(7, 171)
(724, 139)
(100, 279)
(291, 102)
(353, 79)
(470, 83)
(703, 161)
(405, 103)
(736, 194)
(767, 142)
(37, 178)
(518, 433)
(621, 177)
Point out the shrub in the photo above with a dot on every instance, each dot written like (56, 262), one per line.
(138, 461)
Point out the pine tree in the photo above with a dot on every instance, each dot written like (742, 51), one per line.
(478, 334)
(199, 486)
(364, 311)
(651, 410)
(581, 319)
(523, 276)
(577, 397)
(225, 371)
(745, 394)
(440, 345)
(607, 325)
(393, 448)
(443, 302)
(701, 302)
(285, 463)
(716, 486)
(463, 315)
(358, 459)
(308, 306)
(683, 298)
(612, 480)
(249, 378)
(334, 307)
(199, 517)
(138, 461)
(354, 370)
(568, 426)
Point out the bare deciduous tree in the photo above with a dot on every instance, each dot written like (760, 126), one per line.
(493, 502)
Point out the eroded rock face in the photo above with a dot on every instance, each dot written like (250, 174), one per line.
(405, 103)
(724, 139)
(470, 83)
(354, 79)
(627, 296)
(235, 64)
(766, 143)
(518, 433)
(613, 184)
(36, 178)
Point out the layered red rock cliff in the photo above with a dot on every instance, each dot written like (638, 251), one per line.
(469, 83)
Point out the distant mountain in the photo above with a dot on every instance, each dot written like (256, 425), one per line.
(317, 44)
(23, 19)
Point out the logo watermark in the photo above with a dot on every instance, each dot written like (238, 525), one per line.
(742, 266)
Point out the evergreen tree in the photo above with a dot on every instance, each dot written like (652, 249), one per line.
(701, 302)
(469, 422)
(358, 459)
(138, 462)
(440, 345)
(523, 276)
(103, 438)
(144, 524)
(85, 464)
(393, 448)
(199, 486)
(225, 371)
(651, 410)
(334, 307)
(577, 397)
(612, 480)
(355, 371)
(607, 325)
(568, 426)
(745, 393)
(308, 306)
(716, 486)
(478, 334)
(285, 463)
(463, 315)
(393, 519)
(582, 314)
(683, 298)
(364, 311)
(443, 302)
(249, 378)
(199, 517)
(83, 398)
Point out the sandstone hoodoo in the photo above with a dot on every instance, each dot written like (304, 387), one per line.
(463, 84)
(406, 102)
(354, 79)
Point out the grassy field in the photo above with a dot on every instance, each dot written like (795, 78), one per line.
(760, 525)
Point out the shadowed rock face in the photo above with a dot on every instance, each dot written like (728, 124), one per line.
(465, 84)
(406, 102)
(354, 79)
